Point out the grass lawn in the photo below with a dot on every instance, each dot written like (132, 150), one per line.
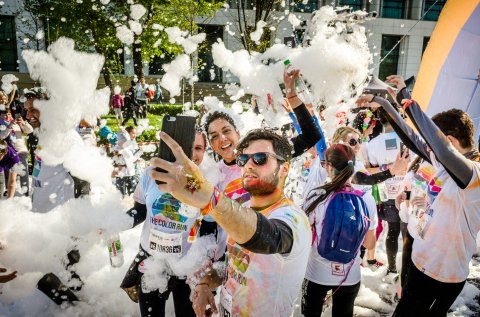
(154, 120)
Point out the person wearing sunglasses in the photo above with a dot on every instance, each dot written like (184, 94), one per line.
(268, 242)
(223, 136)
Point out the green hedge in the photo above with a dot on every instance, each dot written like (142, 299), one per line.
(165, 110)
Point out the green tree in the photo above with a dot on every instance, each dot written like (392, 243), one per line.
(92, 25)
(262, 11)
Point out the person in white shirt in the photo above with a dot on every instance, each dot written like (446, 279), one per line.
(448, 229)
(141, 97)
(323, 275)
(166, 233)
(268, 242)
(383, 150)
(363, 180)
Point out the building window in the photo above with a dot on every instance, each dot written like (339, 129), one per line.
(354, 4)
(394, 9)
(426, 39)
(8, 44)
(389, 66)
(433, 8)
(302, 6)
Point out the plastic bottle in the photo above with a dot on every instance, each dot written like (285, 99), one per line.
(115, 250)
(300, 85)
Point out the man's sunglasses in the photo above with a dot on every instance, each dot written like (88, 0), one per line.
(354, 142)
(258, 158)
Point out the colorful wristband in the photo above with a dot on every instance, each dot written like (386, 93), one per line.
(407, 104)
(213, 202)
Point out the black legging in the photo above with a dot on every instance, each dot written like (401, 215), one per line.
(406, 258)
(313, 296)
(425, 296)
(394, 229)
(153, 303)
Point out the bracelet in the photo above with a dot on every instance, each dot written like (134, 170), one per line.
(213, 202)
(202, 284)
(371, 100)
(291, 97)
(407, 104)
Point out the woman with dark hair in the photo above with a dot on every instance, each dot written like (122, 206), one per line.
(223, 137)
(324, 275)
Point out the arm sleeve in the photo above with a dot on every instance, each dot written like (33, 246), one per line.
(403, 130)
(272, 236)
(138, 212)
(372, 179)
(310, 135)
(457, 166)
(321, 145)
(295, 122)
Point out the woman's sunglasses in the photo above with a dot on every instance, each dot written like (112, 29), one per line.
(258, 158)
(354, 142)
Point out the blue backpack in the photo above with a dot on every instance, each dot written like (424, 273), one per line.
(344, 226)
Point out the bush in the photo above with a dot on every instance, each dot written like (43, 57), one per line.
(165, 110)
(148, 136)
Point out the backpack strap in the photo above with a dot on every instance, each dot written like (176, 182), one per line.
(345, 278)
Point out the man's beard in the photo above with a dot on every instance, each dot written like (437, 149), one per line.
(262, 186)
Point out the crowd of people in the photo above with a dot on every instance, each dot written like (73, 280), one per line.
(375, 173)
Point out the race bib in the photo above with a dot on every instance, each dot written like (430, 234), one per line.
(338, 269)
(393, 187)
(161, 242)
(226, 301)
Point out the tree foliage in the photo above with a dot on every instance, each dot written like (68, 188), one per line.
(262, 11)
(93, 27)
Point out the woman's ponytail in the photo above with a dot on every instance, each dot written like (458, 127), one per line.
(342, 159)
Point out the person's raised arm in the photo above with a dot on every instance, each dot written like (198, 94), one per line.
(458, 166)
(184, 180)
(404, 132)
(310, 134)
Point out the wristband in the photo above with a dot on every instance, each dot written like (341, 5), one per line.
(202, 284)
(407, 104)
(291, 97)
(213, 202)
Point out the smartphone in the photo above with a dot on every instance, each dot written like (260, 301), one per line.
(182, 130)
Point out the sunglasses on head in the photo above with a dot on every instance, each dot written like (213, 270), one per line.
(258, 158)
(354, 142)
